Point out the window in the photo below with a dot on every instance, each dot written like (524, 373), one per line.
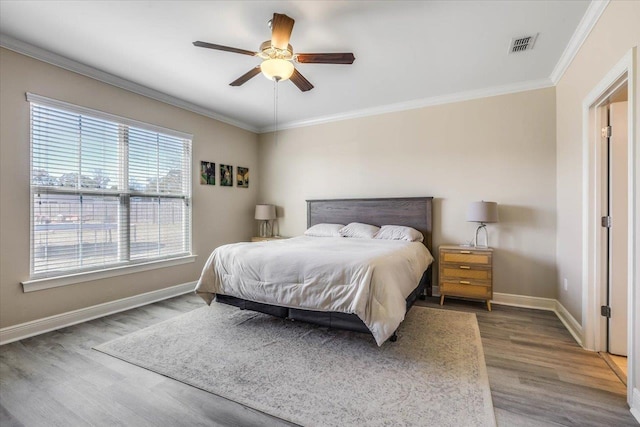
(105, 191)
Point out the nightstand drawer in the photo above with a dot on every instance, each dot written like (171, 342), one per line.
(465, 257)
(465, 271)
(465, 290)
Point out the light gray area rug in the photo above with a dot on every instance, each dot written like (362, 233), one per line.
(434, 374)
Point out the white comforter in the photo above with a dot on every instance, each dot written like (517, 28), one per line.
(369, 277)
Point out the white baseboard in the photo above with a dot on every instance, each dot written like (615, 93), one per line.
(549, 304)
(47, 324)
(570, 322)
(524, 301)
(514, 300)
(635, 404)
(537, 303)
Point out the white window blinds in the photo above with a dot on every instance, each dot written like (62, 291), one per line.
(106, 191)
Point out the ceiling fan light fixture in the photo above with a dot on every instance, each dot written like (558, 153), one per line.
(278, 57)
(277, 69)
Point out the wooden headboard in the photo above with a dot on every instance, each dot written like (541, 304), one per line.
(413, 212)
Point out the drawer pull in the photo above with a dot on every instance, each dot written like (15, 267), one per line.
(465, 282)
(465, 252)
(465, 267)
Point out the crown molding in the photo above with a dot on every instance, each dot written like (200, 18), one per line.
(589, 20)
(591, 16)
(86, 70)
(419, 103)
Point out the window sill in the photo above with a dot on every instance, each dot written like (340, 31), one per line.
(71, 279)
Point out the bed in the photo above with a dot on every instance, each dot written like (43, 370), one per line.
(245, 274)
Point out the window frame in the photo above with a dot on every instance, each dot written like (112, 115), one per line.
(44, 280)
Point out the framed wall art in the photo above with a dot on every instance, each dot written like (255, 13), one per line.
(226, 175)
(207, 173)
(242, 178)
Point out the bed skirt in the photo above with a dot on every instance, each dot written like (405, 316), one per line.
(335, 320)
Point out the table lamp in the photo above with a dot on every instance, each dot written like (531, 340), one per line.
(265, 213)
(482, 212)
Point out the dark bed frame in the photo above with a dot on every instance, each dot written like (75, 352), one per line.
(413, 212)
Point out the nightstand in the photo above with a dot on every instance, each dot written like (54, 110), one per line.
(266, 239)
(466, 272)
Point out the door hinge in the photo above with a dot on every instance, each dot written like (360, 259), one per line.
(605, 311)
(606, 221)
(606, 132)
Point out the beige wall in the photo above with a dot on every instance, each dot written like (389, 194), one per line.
(500, 149)
(615, 34)
(220, 215)
(617, 31)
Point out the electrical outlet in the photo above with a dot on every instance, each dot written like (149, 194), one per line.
(565, 284)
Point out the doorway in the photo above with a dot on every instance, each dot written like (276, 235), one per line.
(608, 281)
(616, 228)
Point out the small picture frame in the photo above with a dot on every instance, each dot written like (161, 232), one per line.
(242, 177)
(226, 175)
(207, 173)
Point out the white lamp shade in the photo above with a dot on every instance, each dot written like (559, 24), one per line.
(279, 69)
(265, 212)
(485, 212)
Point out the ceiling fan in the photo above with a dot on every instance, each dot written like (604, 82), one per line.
(278, 56)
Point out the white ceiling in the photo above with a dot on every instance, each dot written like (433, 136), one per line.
(406, 51)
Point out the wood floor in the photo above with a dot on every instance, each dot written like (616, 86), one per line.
(539, 376)
(618, 364)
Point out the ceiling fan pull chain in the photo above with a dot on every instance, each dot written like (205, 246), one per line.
(275, 111)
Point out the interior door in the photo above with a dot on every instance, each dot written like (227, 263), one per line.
(618, 234)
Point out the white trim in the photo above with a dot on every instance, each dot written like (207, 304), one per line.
(85, 70)
(588, 21)
(418, 103)
(548, 304)
(591, 248)
(570, 322)
(51, 323)
(77, 67)
(591, 16)
(70, 279)
(635, 404)
(633, 396)
(538, 303)
(50, 102)
(591, 201)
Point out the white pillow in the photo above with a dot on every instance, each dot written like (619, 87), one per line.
(324, 230)
(359, 230)
(399, 232)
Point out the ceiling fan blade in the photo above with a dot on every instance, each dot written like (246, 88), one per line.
(325, 58)
(299, 80)
(224, 48)
(281, 27)
(246, 77)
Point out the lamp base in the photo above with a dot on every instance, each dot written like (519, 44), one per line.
(476, 243)
(265, 229)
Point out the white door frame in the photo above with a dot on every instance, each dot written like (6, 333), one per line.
(594, 334)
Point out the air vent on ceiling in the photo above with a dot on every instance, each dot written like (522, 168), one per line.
(520, 44)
